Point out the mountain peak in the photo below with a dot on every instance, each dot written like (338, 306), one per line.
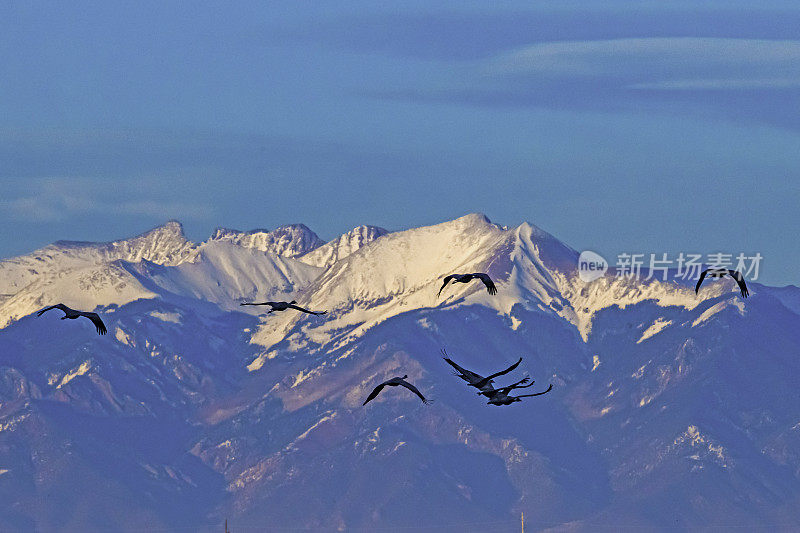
(170, 227)
(368, 230)
(164, 244)
(343, 246)
(290, 240)
(526, 228)
(474, 219)
(222, 233)
(552, 251)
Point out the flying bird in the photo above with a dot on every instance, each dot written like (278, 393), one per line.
(476, 380)
(394, 382)
(505, 390)
(501, 398)
(720, 272)
(73, 314)
(466, 278)
(283, 306)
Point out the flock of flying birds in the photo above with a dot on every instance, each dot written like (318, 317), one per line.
(496, 396)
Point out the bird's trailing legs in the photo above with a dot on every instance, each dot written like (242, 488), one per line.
(518, 385)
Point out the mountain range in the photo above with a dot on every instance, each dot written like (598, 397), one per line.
(669, 409)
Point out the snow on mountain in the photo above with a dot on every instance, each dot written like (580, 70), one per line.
(229, 266)
(669, 409)
(402, 271)
(398, 272)
(164, 245)
(227, 274)
(344, 245)
(85, 275)
(80, 288)
(292, 240)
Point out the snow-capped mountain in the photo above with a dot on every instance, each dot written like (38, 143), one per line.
(669, 409)
(228, 267)
(293, 240)
(346, 244)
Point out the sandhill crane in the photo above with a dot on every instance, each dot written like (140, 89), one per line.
(73, 314)
(283, 306)
(394, 382)
(505, 390)
(466, 278)
(476, 380)
(720, 272)
(500, 398)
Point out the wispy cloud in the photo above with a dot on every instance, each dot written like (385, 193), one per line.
(720, 84)
(663, 63)
(57, 199)
(733, 79)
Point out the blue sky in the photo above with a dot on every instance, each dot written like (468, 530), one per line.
(617, 126)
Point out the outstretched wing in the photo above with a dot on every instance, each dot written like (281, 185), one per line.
(519, 385)
(506, 371)
(735, 274)
(377, 390)
(505, 390)
(486, 281)
(446, 281)
(293, 306)
(57, 306)
(700, 280)
(98, 323)
(461, 369)
(537, 394)
(258, 303)
(413, 389)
